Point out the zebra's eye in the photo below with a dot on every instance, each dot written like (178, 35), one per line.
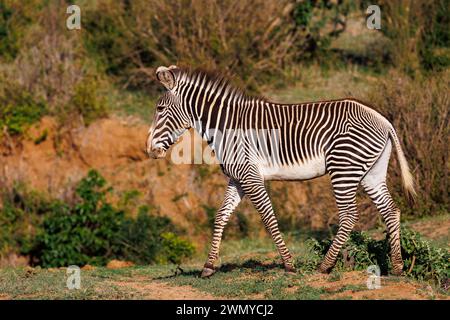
(160, 108)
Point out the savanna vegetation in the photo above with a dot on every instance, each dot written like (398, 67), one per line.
(288, 50)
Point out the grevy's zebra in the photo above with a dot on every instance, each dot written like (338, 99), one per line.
(344, 138)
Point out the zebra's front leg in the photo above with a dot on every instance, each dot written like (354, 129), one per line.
(233, 195)
(257, 193)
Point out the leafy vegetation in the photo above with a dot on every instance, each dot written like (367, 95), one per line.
(82, 234)
(422, 260)
(420, 38)
(150, 238)
(20, 212)
(88, 102)
(19, 110)
(89, 231)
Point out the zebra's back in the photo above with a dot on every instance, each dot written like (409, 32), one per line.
(306, 134)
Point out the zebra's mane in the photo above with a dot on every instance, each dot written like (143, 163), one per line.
(212, 80)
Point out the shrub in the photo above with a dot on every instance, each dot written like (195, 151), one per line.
(419, 33)
(82, 234)
(21, 214)
(421, 259)
(87, 102)
(130, 39)
(150, 238)
(19, 109)
(51, 67)
(15, 17)
(359, 252)
(89, 231)
(107, 38)
(174, 249)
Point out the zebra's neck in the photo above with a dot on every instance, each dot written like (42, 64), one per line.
(213, 108)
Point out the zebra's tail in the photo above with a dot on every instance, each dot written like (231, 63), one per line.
(408, 179)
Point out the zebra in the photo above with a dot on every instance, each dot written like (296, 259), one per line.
(344, 138)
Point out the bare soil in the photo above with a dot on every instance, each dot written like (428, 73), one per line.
(153, 290)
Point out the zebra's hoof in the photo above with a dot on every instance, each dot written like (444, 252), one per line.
(289, 269)
(324, 269)
(397, 271)
(207, 272)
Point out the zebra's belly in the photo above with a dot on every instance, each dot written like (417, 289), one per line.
(303, 171)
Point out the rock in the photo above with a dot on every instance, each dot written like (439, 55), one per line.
(117, 264)
(88, 267)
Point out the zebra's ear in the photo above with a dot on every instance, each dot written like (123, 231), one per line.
(166, 76)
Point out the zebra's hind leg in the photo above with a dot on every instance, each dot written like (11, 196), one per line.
(391, 215)
(374, 184)
(257, 193)
(233, 196)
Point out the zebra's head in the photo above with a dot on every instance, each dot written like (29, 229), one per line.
(171, 118)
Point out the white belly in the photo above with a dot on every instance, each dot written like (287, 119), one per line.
(304, 171)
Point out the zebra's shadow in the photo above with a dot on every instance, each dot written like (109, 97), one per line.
(252, 264)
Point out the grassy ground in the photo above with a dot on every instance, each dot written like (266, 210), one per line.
(249, 269)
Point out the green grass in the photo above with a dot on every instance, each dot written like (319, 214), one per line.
(249, 269)
(24, 283)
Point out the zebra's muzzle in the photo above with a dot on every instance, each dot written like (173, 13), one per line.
(157, 153)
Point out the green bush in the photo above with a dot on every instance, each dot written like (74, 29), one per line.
(18, 109)
(15, 17)
(174, 249)
(421, 259)
(81, 234)
(359, 252)
(151, 238)
(435, 37)
(49, 65)
(419, 33)
(8, 38)
(21, 214)
(106, 39)
(89, 231)
(87, 101)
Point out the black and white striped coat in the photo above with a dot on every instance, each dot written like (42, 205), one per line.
(256, 140)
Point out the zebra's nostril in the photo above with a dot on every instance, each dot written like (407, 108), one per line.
(157, 153)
